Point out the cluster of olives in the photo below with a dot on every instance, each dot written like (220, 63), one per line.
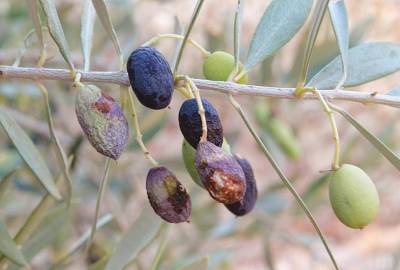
(228, 178)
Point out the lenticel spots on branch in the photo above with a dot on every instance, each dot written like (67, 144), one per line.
(150, 77)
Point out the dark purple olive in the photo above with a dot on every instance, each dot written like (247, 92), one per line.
(250, 196)
(167, 195)
(190, 123)
(220, 173)
(102, 120)
(150, 77)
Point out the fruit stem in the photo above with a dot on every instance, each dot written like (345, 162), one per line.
(196, 12)
(329, 112)
(100, 196)
(138, 135)
(161, 247)
(285, 181)
(202, 114)
(159, 37)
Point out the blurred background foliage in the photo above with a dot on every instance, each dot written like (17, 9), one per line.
(276, 235)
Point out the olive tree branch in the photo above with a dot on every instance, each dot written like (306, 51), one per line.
(121, 78)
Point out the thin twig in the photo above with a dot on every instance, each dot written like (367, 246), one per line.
(121, 78)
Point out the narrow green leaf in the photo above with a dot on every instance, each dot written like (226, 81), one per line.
(375, 141)
(237, 33)
(56, 30)
(105, 19)
(29, 153)
(87, 26)
(135, 239)
(280, 22)
(10, 249)
(340, 23)
(201, 264)
(366, 62)
(5, 182)
(33, 10)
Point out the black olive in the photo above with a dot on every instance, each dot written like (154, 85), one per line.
(150, 77)
(190, 123)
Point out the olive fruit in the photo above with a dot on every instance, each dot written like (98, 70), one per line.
(353, 196)
(250, 196)
(102, 120)
(284, 136)
(190, 122)
(220, 173)
(189, 156)
(219, 65)
(150, 77)
(167, 196)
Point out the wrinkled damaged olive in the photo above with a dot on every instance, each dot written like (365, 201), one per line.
(189, 157)
(220, 173)
(250, 196)
(353, 196)
(102, 120)
(219, 65)
(190, 123)
(167, 195)
(150, 77)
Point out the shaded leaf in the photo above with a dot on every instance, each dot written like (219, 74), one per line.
(56, 30)
(33, 11)
(375, 141)
(135, 239)
(105, 19)
(87, 26)
(5, 182)
(280, 22)
(201, 264)
(29, 153)
(366, 62)
(340, 23)
(9, 248)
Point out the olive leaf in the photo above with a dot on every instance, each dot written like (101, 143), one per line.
(394, 92)
(33, 11)
(201, 264)
(5, 182)
(375, 141)
(56, 30)
(340, 23)
(29, 153)
(135, 239)
(87, 26)
(237, 32)
(366, 62)
(281, 21)
(105, 19)
(9, 248)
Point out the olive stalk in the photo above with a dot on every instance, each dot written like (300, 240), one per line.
(159, 37)
(161, 248)
(138, 133)
(329, 112)
(285, 181)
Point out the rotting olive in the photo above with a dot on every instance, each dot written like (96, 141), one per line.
(102, 120)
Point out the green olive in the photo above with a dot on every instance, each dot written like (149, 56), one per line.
(219, 65)
(283, 135)
(353, 196)
(189, 156)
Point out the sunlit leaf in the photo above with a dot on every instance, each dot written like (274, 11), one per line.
(340, 23)
(366, 62)
(201, 264)
(135, 239)
(87, 26)
(9, 248)
(375, 141)
(280, 22)
(105, 19)
(29, 153)
(56, 30)
(33, 11)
